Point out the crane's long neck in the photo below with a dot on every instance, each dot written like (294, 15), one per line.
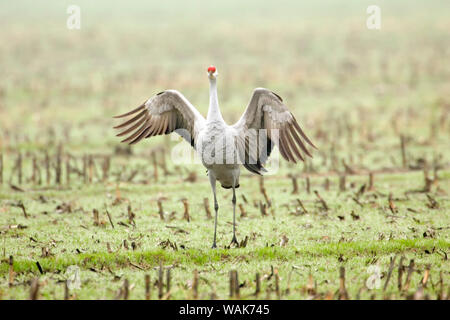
(214, 110)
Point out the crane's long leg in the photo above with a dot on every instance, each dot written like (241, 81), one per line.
(233, 200)
(212, 180)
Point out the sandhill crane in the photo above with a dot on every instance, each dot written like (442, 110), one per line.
(222, 148)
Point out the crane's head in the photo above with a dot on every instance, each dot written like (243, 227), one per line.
(212, 72)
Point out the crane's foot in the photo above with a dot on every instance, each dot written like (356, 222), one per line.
(234, 241)
(214, 246)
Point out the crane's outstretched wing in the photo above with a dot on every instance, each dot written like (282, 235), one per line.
(162, 114)
(267, 111)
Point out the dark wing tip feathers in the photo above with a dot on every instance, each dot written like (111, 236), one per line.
(138, 125)
(290, 142)
(144, 125)
(142, 106)
(276, 95)
(304, 136)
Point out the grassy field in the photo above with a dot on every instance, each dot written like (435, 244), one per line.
(376, 103)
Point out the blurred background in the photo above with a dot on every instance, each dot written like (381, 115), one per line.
(375, 102)
(64, 86)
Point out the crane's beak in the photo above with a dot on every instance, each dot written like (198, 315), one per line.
(212, 75)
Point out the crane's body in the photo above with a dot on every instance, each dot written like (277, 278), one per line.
(219, 138)
(222, 148)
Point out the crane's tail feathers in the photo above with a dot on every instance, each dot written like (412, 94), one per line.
(229, 187)
(255, 168)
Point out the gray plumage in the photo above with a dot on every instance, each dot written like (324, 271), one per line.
(222, 148)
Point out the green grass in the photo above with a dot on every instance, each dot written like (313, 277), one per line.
(319, 243)
(353, 90)
(199, 257)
